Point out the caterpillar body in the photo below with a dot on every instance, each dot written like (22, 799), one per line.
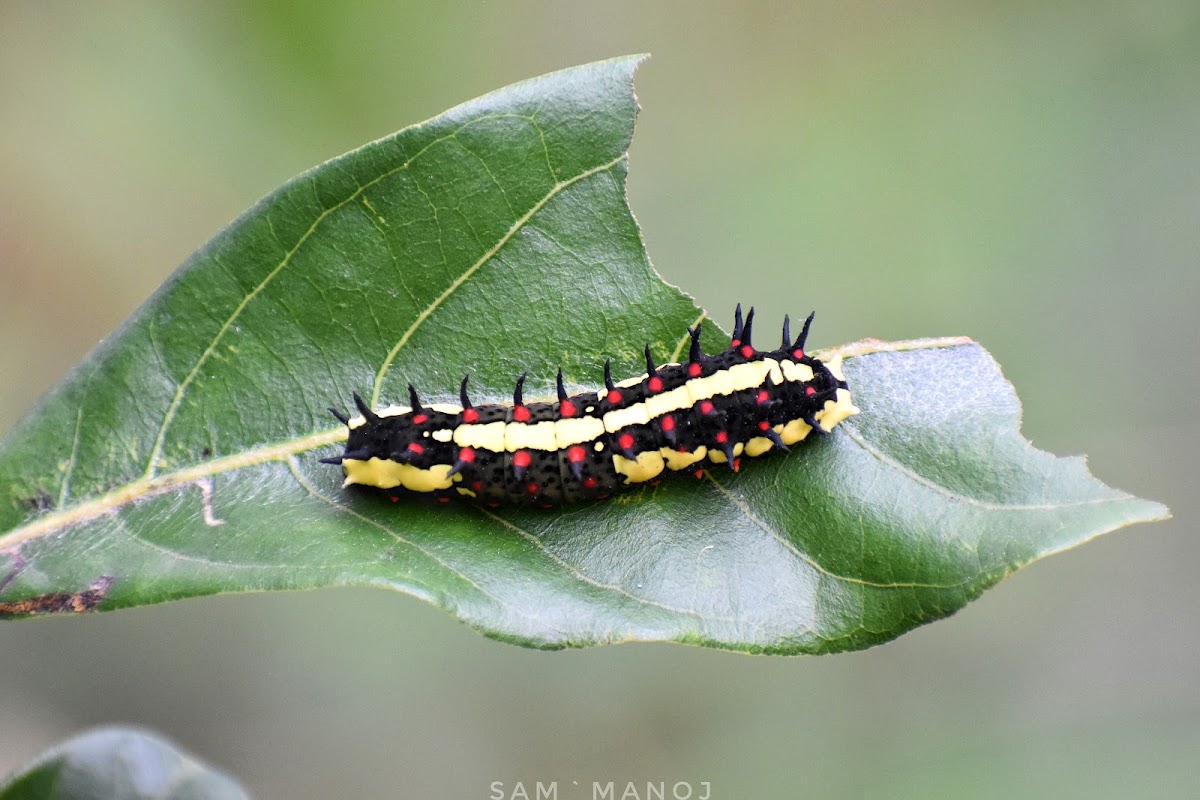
(719, 408)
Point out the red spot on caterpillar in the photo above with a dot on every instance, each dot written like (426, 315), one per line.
(416, 448)
(520, 413)
(797, 353)
(656, 384)
(668, 423)
(810, 391)
(706, 407)
(722, 437)
(625, 441)
(477, 486)
(747, 351)
(566, 409)
(589, 483)
(470, 415)
(576, 453)
(614, 396)
(521, 458)
(443, 499)
(532, 488)
(737, 464)
(467, 454)
(764, 426)
(420, 419)
(699, 474)
(681, 449)
(395, 499)
(763, 396)
(694, 369)
(733, 343)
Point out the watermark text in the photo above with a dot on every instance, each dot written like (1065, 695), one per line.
(600, 790)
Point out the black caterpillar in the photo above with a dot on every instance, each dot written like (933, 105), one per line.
(586, 446)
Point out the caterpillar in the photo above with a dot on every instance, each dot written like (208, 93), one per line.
(739, 402)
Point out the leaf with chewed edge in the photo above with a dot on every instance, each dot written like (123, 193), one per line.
(181, 457)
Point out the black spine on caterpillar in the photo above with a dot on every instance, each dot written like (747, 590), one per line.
(585, 446)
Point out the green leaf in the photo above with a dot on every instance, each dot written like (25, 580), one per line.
(118, 764)
(180, 458)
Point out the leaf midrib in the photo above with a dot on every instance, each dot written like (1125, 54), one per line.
(144, 487)
(282, 451)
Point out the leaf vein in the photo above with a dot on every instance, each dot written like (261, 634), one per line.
(582, 576)
(483, 163)
(475, 267)
(790, 546)
(294, 468)
(856, 436)
(64, 490)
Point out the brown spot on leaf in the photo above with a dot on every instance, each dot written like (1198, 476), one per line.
(60, 602)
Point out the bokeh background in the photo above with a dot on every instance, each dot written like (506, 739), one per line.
(1027, 173)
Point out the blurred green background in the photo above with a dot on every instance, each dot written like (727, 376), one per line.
(1024, 173)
